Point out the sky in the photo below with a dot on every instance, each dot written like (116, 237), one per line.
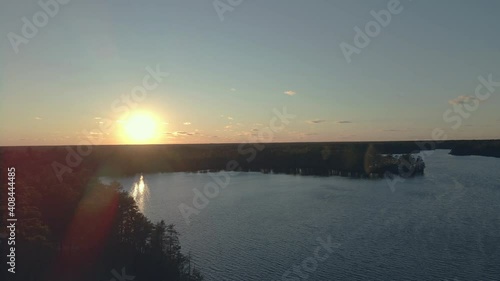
(195, 71)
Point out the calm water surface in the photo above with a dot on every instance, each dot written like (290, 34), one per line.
(442, 226)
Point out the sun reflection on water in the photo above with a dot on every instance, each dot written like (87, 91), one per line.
(140, 193)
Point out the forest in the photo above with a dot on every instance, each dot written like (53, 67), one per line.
(490, 149)
(80, 229)
(361, 159)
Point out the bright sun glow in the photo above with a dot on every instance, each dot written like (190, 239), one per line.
(141, 128)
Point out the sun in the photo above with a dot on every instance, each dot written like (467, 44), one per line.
(141, 128)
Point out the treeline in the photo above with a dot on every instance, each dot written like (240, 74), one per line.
(281, 158)
(309, 158)
(484, 148)
(81, 229)
(305, 158)
(290, 158)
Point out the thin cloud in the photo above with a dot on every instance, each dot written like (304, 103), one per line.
(462, 100)
(181, 133)
(395, 130)
(316, 121)
(38, 118)
(232, 90)
(177, 133)
(290, 93)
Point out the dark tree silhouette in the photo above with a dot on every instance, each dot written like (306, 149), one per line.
(81, 229)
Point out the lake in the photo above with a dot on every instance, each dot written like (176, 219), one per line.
(444, 225)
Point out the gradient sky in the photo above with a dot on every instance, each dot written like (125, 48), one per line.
(226, 77)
